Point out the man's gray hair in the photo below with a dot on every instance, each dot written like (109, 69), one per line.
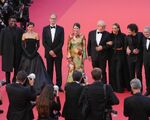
(147, 28)
(101, 23)
(135, 83)
(53, 14)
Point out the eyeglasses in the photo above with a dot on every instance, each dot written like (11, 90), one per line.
(53, 18)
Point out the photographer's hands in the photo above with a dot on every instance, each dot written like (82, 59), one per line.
(31, 82)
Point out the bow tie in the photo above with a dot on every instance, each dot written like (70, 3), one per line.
(52, 27)
(99, 32)
(148, 38)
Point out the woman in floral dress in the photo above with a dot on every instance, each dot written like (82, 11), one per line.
(76, 51)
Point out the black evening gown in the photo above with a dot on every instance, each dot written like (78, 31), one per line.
(31, 62)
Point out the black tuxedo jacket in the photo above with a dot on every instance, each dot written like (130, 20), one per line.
(71, 108)
(58, 42)
(96, 99)
(137, 107)
(146, 52)
(19, 102)
(92, 45)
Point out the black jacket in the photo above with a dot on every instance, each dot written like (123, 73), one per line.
(137, 107)
(71, 108)
(57, 45)
(10, 48)
(146, 53)
(96, 99)
(92, 45)
(134, 42)
(19, 97)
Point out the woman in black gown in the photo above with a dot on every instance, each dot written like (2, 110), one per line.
(31, 62)
(118, 70)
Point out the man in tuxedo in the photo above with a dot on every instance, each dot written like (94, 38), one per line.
(11, 48)
(20, 97)
(137, 107)
(98, 45)
(98, 99)
(71, 110)
(146, 58)
(134, 50)
(53, 40)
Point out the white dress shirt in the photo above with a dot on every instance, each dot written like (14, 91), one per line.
(147, 43)
(98, 37)
(53, 30)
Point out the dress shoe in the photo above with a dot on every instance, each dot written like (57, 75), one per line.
(147, 93)
(61, 90)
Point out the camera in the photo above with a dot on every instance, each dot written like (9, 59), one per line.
(31, 76)
(83, 79)
(56, 88)
(2, 83)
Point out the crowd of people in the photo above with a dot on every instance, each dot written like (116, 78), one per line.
(32, 83)
(19, 8)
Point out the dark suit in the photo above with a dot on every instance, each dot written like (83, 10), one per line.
(11, 49)
(19, 97)
(135, 61)
(96, 99)
(146, 60)
(71, 110)
(98, 58)
(56, 46)
(137, 107)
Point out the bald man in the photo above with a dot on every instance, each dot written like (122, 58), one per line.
(53, 40)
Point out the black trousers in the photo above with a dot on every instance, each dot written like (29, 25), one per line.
(101, 63)
(119, 76)
(58, 67)
(135, 66)
(147, 71)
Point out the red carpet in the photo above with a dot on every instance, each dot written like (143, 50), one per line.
(86, 12)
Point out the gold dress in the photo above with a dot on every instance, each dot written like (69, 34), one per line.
(76, 53)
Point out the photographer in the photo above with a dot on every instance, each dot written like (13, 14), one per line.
(97, 98)
(20, 97)
(48, 103)
(137, 106)
(71, 110)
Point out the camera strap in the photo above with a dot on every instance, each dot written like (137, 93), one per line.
(105, 94)
(105, 97)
